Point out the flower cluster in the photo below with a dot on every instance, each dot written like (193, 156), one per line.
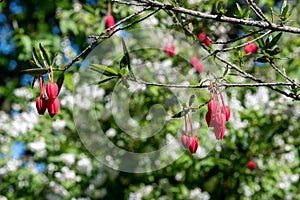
(51, 102)
(203, 38)
(190, 142)
(218, 113)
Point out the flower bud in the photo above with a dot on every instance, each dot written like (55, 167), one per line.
(193, 144)
(226, 111)
(52, 90)
(251, 165)
(251, 48)
(109, 22)
(219, 125)
(197, 64)
(185, 140)
(213, 106)
(41, 105)
(208, 119)
(53, 106)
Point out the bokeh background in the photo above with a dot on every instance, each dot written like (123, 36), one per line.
(44, 158)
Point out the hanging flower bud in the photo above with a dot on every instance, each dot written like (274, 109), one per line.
(52, 90)
(193, 144)
(208, 119)
(170, 49)
(251, 48)
(109, 22)
(53, 106)
(219, 125)
(41, 105)
(185, 140)
(197, 64)
(203, 38)
(226, 111)
(251, 165)
(213, 106)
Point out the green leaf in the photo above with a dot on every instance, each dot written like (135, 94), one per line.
(274, 40)
(273, 52)
(123, 71)
(33, 81)
(35, 58)
(262, 59)
(191, 100)
(60, 81)
(107, 71)
(35, 71)
(126, 60)
(241, 12)
(283, 6)
(45, 56)
(105, 80)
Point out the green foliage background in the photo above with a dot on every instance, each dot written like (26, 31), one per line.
(264, 125)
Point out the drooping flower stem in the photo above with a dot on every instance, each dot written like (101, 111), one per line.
(41, 87)
(186, 128)
(191, 125)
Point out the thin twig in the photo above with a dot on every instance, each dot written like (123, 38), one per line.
(258, 11)
(242, 45)
(284, 75)
(227, 85)
(260, 24)
(237, 39)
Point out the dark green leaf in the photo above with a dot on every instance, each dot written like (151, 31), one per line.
(103, 70)
(178, 115)
(191, 100)
(126, 60)
(274, 51)
(106, 79)
(45, 56)
(262, 59)
(60, 81)
(274, 40)
(35, 71)
(36, 58)
(33, 81)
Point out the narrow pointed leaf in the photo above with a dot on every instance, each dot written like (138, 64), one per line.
(274, 40)
(60, 81)
(44, 55)
(33, 81)
(36, 58)
(126, 60)
(35, 71)
(106, 79)
(107, 71)
(32, 63)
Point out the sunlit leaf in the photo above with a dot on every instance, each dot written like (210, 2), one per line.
(35, 58)
(45, 56)
(107, 71)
